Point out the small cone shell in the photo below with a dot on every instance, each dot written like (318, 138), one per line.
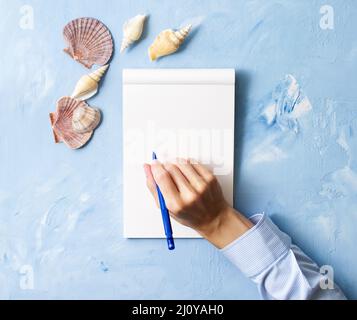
(168, 42)
(98, 74)
(133, 30)
(85, 119)
(88, 85)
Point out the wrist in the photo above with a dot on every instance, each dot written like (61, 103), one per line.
(227, 227)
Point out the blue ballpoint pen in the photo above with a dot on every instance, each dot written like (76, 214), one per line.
(165, 215)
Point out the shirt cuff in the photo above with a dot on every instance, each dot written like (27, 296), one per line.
(259, 247)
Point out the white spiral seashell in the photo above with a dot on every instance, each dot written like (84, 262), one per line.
(133, 30)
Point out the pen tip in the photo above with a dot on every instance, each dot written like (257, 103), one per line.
(154, 157)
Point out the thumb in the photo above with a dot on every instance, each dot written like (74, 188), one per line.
(150, 182)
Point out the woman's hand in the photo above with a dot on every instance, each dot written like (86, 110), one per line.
(195, 199)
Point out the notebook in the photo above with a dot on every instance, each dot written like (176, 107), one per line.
(186, 113)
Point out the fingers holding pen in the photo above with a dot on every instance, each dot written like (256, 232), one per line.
(190, 173)
(166, 184)
(203, 171)
(181, 182)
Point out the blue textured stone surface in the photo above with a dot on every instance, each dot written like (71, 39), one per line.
(61, 210)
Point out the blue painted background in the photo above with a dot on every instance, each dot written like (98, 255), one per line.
(60, 210)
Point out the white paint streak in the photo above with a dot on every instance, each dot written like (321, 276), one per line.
(342, 141)
(269, 113)
(39, 231)
(347, 178)
(34, 76)
(293, 90)
(50, 256)
(72, 219)
(84, 197)
(269, 154)
(340, 183)
(325, 224)
(286, 105)
(268, 151)
(302, 108)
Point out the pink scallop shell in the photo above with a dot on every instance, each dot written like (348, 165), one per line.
(89, 42)
(61, 122)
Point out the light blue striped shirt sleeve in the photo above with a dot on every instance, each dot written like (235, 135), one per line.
(280, 269)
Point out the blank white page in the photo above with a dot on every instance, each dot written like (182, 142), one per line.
(185, 113)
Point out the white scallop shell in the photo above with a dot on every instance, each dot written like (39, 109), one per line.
(85, 119)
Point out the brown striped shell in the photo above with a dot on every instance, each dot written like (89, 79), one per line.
(61, 122)
(89, 42)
